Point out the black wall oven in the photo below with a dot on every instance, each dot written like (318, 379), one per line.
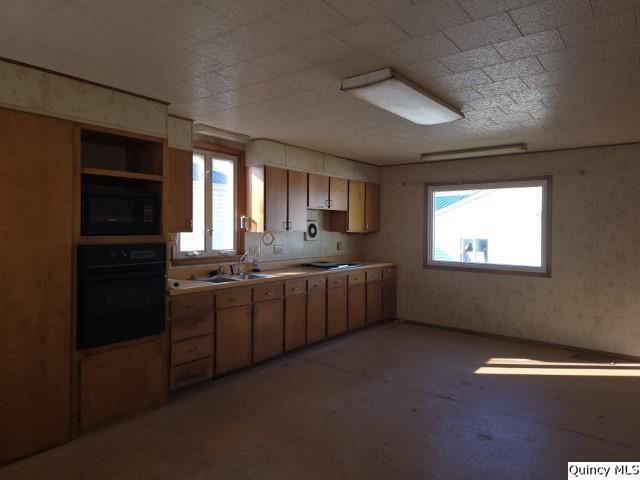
(121, 293)
(118, 209)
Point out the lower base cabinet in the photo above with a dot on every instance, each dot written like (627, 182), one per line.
(374, 295)
(120, 383)
(337, 311)
(268, 329)
(316, 315)
(389, 298)
(233, 338)
(357, 306)
(295, 321)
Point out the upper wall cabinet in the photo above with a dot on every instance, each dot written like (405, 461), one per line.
(327, 193)
(179, 185)
(363, 212)
(276, 199)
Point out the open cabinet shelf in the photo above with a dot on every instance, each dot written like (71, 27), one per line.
(121, 174)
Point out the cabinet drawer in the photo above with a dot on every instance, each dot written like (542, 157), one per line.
(388, 272)
(188, 326)
(317, 283)
(193, 349)
(295, 287)
(184, 304)
(233, 298)
(356, 278)
(374, 275)
(191, 372)
(268, 292)
(337, 281)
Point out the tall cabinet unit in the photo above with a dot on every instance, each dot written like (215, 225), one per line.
(36, 194)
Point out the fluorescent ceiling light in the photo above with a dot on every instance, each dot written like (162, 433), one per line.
(203, 129)
(475, 152)
(389, 91)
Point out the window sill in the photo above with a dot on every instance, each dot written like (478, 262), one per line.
(500, 271)
(203, 260)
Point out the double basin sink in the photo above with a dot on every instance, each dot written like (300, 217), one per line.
(237, 278)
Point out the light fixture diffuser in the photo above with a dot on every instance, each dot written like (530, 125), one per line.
(203, 129)
(475, 152)
(387, 90)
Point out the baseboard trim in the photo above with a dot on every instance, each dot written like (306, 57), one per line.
(539, 343)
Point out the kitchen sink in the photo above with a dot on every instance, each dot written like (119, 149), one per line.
(251, 276)
(221, 279)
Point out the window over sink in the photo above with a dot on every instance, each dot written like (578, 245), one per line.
(214, 207)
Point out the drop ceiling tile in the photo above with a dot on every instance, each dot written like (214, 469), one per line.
(364, 10)
(550, 14)
(504, 87)
(247, 73)
(472, 59)
(310, 18)
(7, 32)
(195, 20)
(224, 52)
(461, 96)
(600, 29)
(571, 57)
(234, 98)
(373, 34)
(622, 49)
(81, 21)
(604, 7)
(420, 73)
(486, 8)
(545, 79)
(529, 45)
(490, 102)
(246, 11)
(425, 48)
(461, 80)
(264, 35)
(429, 17)
(324, 48)
(282, 62)
(533, 107)
(483, 32)
(58, 39)
(514, 69)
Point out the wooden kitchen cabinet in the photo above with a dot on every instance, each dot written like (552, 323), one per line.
(389, 293)
(374, 296)
(276, 199)
(327, 193)
(233, 338)
(179, 185)
(268, 329)
(295, 314)
(357, 300)
(36, 194)
(363, 214)
(337, 309)
(120, 383)
(316, 313)
(372, 208)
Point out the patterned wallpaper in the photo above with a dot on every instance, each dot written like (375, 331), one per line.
(35, 91)
(592, 299)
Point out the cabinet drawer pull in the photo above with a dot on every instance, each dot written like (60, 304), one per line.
(192, 305)
(270, 292)
(295, 289)
(194, 349)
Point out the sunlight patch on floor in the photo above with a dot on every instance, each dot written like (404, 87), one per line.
(526, 366)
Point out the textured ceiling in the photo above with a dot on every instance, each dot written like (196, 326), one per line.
(553, 73)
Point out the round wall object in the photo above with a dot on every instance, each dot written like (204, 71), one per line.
(267, 238)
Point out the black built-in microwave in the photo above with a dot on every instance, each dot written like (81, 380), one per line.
(118, 210)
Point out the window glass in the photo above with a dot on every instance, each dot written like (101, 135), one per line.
(223, 204)
(195, 241)
(487, 226)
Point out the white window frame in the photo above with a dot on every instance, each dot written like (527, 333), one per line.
(429, 218)
(208, 208)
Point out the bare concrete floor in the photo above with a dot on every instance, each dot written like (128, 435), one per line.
(399, 401)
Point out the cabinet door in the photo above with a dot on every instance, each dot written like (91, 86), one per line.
(295, 321)
(316, 316)
(297, 201)
(389, 298)
(318, 191)
(357, 306)
(120, 383)
(374, 302)
(337, 311)
(355, 215)
(233, 338)
(338, 194)
(36, 197)
(372, 207)
(179, 184)
(268, 329)
(275, 199)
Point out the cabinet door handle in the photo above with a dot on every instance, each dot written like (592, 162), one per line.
(284, 225)
(270, 292)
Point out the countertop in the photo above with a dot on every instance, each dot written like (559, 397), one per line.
(195, 286)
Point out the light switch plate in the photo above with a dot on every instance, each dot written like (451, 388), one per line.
(339, 246)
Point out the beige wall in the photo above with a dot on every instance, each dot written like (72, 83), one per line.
(592, 299)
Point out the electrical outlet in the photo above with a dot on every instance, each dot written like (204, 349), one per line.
(277, 249)
(254, 251)
(339, 246)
